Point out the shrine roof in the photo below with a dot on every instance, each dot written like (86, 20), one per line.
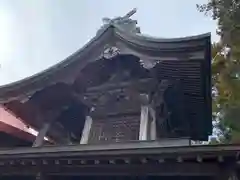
(143, 46)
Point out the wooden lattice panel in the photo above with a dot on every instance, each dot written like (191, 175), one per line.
(116, 129)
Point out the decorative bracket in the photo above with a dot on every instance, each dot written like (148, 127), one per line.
(149, 64)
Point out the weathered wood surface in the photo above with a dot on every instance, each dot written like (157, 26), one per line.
(163, 147)
(123, 96)
(163, 169)
(122, 159)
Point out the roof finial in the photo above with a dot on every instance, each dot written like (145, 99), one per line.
(120, 19)
(130, 13)
(125, 22)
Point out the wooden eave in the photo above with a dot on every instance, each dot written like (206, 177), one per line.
(163, 148)
(145, 158)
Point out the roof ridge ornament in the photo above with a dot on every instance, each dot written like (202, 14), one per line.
(120, 19)
(124, 23)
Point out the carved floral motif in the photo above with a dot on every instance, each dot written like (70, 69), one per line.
(110, 52)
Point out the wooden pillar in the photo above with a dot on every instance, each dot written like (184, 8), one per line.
(143, 131)
(153, 130)
(86, 130)
(147, 129)
(41, 135)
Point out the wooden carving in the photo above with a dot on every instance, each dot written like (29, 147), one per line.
(159, 104)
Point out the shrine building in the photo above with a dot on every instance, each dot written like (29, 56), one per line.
(123, 106)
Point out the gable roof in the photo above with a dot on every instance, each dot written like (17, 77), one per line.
(138, 43)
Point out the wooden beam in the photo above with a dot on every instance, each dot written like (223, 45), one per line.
(41, 135)
(144, 148)
(164, 169)
(32, 116)
(142, 83)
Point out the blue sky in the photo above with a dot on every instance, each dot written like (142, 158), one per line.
(36, 34)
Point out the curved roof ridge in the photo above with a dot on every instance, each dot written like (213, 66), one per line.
(63, 63)
(149, 38)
